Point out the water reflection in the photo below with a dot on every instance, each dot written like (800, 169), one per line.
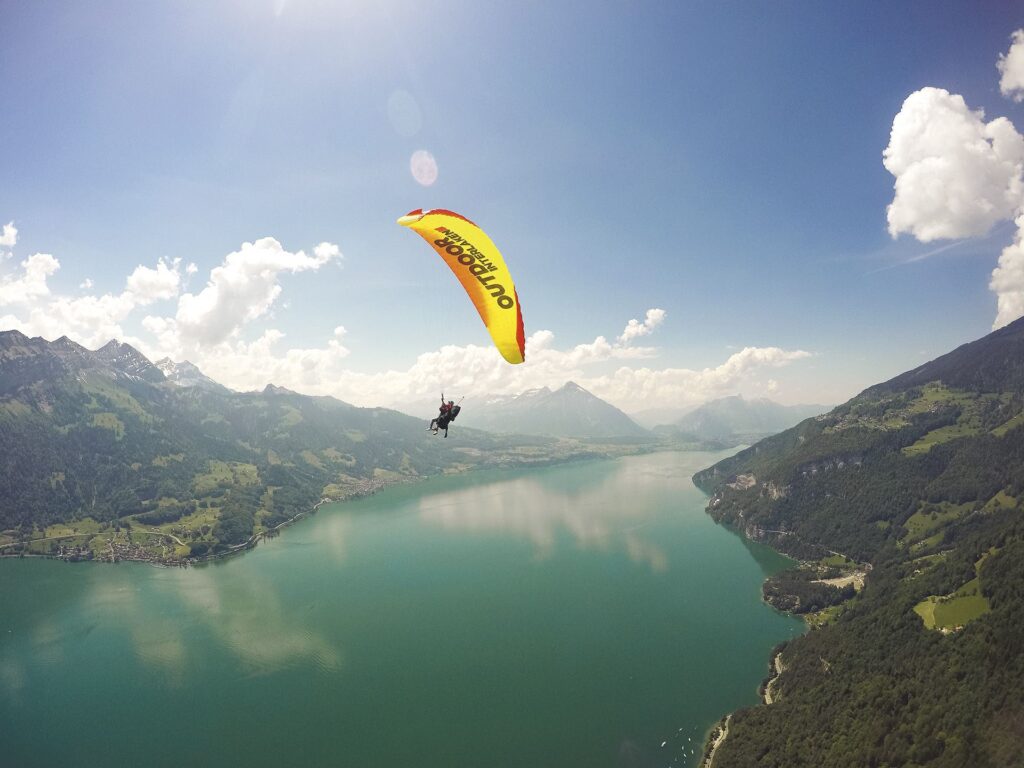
(371, 629)
(157, 641)
(246, 616)
(249, 618)
(335, 534)
(47, 642)
(599, 511)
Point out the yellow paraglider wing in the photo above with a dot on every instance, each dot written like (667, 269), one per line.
(478, 265)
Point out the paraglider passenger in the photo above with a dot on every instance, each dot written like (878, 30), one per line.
(441, 420)
(448, 414)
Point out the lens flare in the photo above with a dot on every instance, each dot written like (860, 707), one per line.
(423, 167)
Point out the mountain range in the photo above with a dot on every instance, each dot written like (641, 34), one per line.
(569, 411)
(186, 374)
(736, 419)
(93, 442)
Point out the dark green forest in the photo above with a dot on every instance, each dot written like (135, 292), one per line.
(921, 480)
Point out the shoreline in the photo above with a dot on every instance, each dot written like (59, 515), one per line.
(186, 562)
(370, 487)
(715, 739)
(776, 668)
(775, 664)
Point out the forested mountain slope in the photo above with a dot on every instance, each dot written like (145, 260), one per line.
(90, 440)
(920, 479)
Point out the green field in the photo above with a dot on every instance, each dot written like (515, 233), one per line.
(104, 394)
(224, 474)
(1002, 429)
(972, 419)
(290, 416)
(930, 518)
(950, 613)
(939, 436)
(311, 458)
(1001, 500)
(163, 461)
(825, 616)
(957, 609)
(109, 421)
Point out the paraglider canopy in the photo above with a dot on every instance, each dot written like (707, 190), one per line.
(481, 270)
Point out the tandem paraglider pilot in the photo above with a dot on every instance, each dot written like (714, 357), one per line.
(446, 415)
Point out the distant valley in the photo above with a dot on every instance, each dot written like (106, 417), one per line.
(569, 411)
(734, 420)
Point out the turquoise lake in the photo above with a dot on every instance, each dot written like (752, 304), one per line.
(577, 615)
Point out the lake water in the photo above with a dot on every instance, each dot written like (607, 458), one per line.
(577, 615)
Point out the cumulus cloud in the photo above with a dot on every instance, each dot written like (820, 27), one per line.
(956, 175)
(86, 284)
(148, 285)
(9, 236)
(220, 330)
(1011, 68)
(241, 290)
(677, 387)
(252, 365)
(480, 371)
(1008, 280)
(31, 283)
(92, 320)
(635, 328)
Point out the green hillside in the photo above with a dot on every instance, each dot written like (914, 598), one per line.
(101, 456)
(920, 481)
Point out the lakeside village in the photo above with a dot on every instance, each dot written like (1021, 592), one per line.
(185, 542)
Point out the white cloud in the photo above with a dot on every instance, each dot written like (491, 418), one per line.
(241, 290)
(148, 285)
(86, 284)
(1008, 280)
(191, 269)
(31, 284)
(956, 175)
(1011, 67)
(479, 371)
(91, 320)
(635, 328)
(9, 236)
(252, 365)
(208, 327)
(678, 387)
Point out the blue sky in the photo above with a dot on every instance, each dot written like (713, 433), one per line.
(719, 161)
